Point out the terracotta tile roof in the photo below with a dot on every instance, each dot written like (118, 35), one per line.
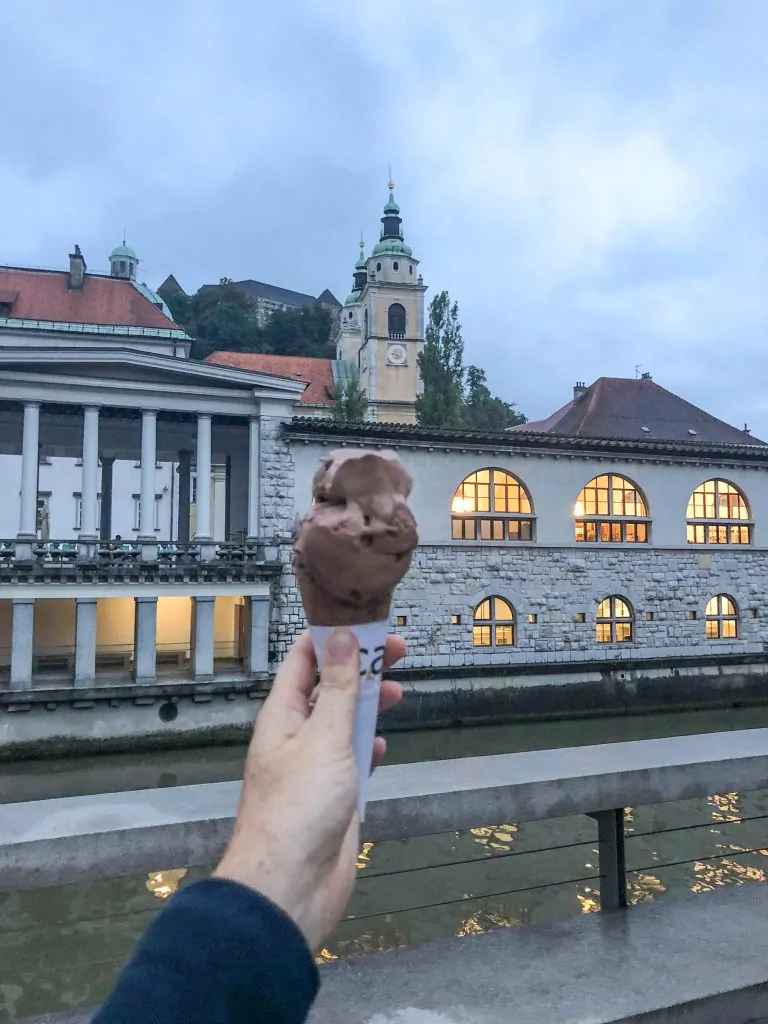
(624, 408)
(108, 301)
(317, 373)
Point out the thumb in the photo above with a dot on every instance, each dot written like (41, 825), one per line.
(334, 711)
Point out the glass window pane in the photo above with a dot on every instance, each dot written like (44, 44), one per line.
(481, 636)
(629, 531)
(483, 476)
(504, 636)
(713, 629)
(502, 610)
(603, 633)
(605, 532)
(623, 632)
(616, 532)
(485, 529)
(727, 606)
(712, 606)
(456, 529)
(729, 629)
(483, 610)
(621, 609)
(580, 531)
(591, 532)
(604, 608)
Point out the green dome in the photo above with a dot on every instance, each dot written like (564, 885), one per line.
(123, 252)
(353, 299)
(392, 207)
(392, 247)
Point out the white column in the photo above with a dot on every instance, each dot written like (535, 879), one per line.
(204, 637)
(254, 478)
(147, 486)
(30, 457)
(145, 640)
(90, 485)
(203, 530)
(258, 635)
(22, 643)
(85, 641)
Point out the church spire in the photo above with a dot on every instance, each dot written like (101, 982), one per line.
(391, 239)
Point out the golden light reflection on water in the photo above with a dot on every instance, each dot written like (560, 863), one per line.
(486, 921)
(495, 837)
(364, 857)
(164, 884)
(725, 807)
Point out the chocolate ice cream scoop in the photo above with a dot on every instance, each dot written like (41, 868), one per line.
(355, 543)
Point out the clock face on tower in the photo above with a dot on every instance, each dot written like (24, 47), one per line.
(397, 355)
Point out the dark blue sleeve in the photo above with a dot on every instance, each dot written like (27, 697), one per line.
(219, 953)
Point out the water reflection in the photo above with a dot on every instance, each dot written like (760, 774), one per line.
(61, 948)
(165, 883)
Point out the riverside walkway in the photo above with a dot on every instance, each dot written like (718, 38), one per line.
(698, 959)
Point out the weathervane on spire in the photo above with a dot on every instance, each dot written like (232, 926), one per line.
(391, 183)
(362, 242)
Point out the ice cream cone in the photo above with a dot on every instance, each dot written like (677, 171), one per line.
(371, 637)
(350, 551)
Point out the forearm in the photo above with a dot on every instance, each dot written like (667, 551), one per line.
(218, 954)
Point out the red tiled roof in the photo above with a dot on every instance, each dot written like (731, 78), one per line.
(108, 301)
(620, 407)
(316, 373)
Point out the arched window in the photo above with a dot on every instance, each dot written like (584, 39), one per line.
(491, 505)
(718, 514)
(615, 621)
(365, 325)
(410, 268)
(611, 509)
(722, 618)
(395, 265)
(378, 266)
(396, 320)
(493, 624)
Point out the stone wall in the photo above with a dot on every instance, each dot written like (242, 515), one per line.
(557, 586)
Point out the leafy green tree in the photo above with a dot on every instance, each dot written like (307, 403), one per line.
(223, 319)
(350, 402)
(298, 332)
(482, 410)
(441, 364)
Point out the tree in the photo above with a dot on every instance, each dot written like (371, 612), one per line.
(350, 402)
(481, 409)
(441, 364)
(298, 332)
(221, 317)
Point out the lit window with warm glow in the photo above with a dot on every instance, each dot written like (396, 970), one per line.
(494, 623)
(615, 621)
(722, 618)
(491, 505)
(611, 510)
(718, 513)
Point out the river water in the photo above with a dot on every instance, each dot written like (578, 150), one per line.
(61, 947)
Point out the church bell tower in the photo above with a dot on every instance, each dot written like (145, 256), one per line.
(391, 318)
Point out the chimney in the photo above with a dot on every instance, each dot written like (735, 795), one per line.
(77, 269)
(646, 376)
(579, 390)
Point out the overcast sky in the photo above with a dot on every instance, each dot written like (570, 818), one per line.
(587, 178)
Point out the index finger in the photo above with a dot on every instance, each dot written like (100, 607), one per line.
(287, 705)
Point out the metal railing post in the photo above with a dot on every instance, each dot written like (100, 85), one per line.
(613, 869)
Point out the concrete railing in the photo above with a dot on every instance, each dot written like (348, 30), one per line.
(52, 842)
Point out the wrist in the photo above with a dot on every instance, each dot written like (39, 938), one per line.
(280, 891)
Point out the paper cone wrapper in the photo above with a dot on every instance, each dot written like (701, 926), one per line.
(371, 637)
